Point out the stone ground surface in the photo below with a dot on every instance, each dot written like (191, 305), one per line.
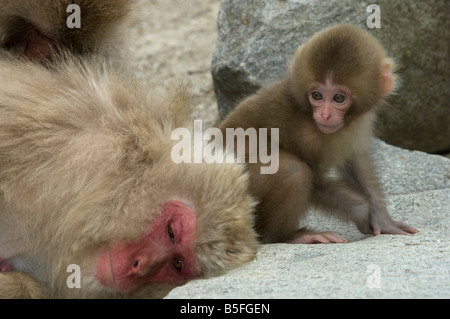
(384, 266)
(172, 41)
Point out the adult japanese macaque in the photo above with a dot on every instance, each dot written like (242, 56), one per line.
(91, 204)
(325, 110)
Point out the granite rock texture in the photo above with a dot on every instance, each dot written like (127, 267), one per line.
(256, 40)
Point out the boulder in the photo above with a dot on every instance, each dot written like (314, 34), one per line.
(256, 40)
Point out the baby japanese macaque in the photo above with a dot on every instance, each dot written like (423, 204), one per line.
(325, 110)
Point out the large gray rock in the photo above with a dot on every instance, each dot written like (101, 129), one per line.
(256, 39)
(386, 266)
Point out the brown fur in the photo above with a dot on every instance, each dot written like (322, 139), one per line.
(100, 23)
(354, 59)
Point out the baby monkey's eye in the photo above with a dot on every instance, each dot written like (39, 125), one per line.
(339, 98)
(316, 95)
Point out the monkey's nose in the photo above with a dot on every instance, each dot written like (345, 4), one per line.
(326, 116)
(145, 266)
(141, 266)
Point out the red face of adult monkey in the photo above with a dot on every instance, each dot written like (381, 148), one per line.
(86, 177)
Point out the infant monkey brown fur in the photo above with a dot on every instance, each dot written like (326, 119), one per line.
(325, 111)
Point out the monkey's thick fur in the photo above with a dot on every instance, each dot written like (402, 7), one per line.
(85, 156)
(101, 22)
(85, 159)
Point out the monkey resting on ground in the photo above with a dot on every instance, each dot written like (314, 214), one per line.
(86, 178)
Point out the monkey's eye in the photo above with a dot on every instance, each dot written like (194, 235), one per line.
(178, 264)
(339, 98)
(171, 235)
(316, 95)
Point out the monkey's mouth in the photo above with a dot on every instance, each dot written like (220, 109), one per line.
(165, 253)
(329, 129)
